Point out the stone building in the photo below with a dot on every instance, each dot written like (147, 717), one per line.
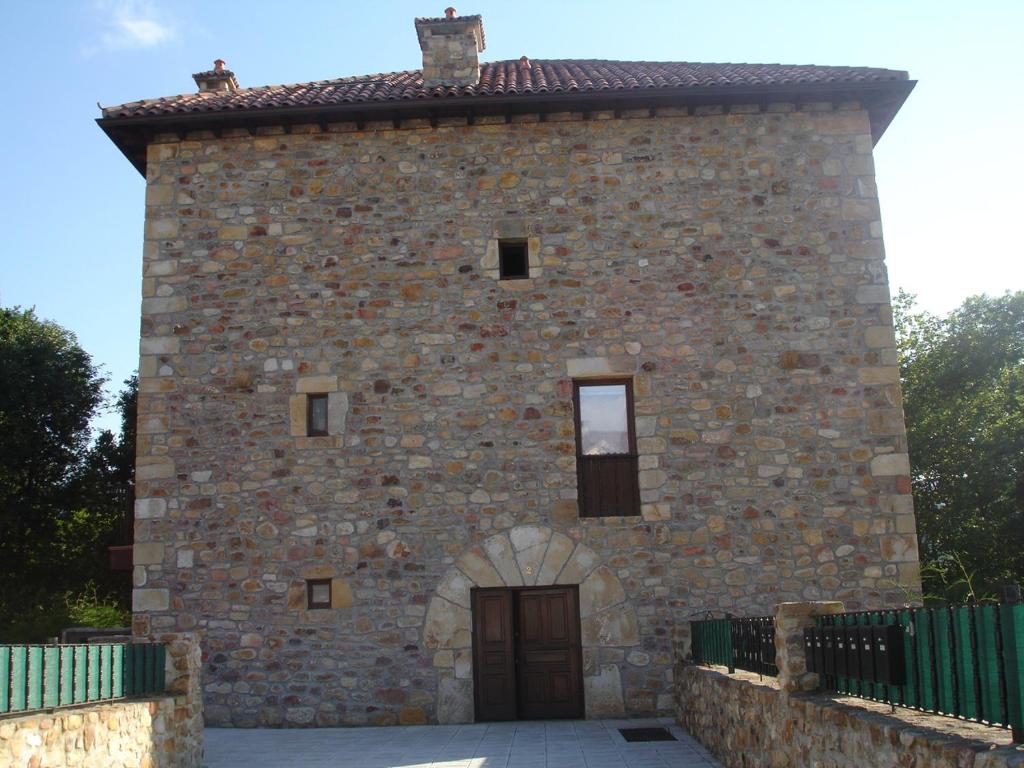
(460, 388)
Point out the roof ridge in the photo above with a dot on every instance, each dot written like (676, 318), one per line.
(507, 77)
(537, 59)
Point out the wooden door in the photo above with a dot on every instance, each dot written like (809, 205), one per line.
(526, 652)
(494, 678)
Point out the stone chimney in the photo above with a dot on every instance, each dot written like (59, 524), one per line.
(217, 80)
(451, 49)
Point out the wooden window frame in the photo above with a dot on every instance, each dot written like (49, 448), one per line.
(585, 465)
(503, 273)
(312, 604)
(309, 415)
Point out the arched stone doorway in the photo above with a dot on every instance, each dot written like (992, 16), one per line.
(531, 555)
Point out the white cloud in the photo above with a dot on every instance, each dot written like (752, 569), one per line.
(132, 24)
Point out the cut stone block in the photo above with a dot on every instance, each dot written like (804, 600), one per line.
(580, 564)
(559, 549)
(499, 549)
(454, 701)
(317, 384)
(151, 600)
(615, 627)
(600, 590)
(603, 693)
(479, 569)
(447, 625)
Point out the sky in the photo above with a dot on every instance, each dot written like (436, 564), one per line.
(71, 206)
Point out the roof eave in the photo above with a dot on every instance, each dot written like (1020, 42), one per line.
(882, 99)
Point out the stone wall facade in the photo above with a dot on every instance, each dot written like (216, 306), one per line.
(161, 732)
(729, 261)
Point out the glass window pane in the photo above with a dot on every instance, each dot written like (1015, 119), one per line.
(321, 594)
(318, 414)
(603, 425)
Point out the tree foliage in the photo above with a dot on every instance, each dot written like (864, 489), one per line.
(963, 391)
(48, 393)
(62, 497)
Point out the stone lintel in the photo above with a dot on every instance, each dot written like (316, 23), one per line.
(596, 367)
(317, 384)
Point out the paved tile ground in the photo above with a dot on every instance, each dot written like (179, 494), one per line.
(552, 744)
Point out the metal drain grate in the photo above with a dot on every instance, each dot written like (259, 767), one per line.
(646, 734)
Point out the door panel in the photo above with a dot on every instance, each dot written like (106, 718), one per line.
(531, 608)
(559, 688)
(493, 607)
(526, 653)
(535, 658)
(494, 686)
(557, 614)
(549, 654)
(495, 691)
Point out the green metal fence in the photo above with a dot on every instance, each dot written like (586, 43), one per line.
(963, 661)
(711, 642)
(47, 676)
(747, 644)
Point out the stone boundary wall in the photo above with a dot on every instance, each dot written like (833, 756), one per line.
(748, 721)
(125, 734)
(160, 732)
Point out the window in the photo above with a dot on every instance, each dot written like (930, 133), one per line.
(513, 260)
(318, 593)
(606, 458)
(316, 415)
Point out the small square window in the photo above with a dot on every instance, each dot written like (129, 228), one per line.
(513, 260)
(318, 593)
(316, 415)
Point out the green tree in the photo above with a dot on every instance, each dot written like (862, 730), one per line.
(963, 391)
(62, 500)
(104, 490)
(48, 392)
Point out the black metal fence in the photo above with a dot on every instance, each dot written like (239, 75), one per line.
(753, 642)
(747, 644)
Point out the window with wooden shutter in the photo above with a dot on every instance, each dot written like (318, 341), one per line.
(606, 458)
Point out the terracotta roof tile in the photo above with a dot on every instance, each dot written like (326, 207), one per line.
(508, 78)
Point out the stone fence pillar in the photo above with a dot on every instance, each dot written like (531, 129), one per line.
(682, 641)
(791, 619)
(183, 672)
